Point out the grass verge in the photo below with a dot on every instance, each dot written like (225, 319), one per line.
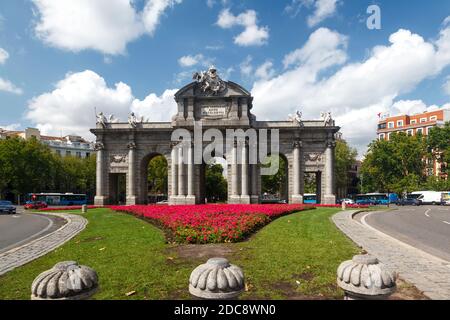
(295, 256)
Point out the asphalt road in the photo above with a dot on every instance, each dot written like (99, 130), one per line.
(21, 228)
(425, 227)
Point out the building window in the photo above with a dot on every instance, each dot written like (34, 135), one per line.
(433, 118)
(429, 129)
(382, 136)
(382, 126)
(88, 154)
(400, 123)
(389, 136)
(419, 131)
(422, 120)
(409, 132)
(391, 125)
(413, 121)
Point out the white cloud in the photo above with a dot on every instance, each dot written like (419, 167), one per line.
(191, 60)
(246, 67)
(8, 86)
(323, 9)
(356, 92)
(157, 108)
(4, 55)
(265, 71)
(153, 11)
(253, 35)
(446, 86)
(70, 106)
(102, 25)
(11, 127)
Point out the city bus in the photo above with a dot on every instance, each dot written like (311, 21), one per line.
(376, 198)
(59, 199)
(310, 198)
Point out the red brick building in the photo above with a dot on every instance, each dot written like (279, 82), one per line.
(412, 125)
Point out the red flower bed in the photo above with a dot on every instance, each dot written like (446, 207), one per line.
(350, 206)
(211, 223)
(68, 208)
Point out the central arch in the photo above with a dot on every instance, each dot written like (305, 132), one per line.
(154, 178)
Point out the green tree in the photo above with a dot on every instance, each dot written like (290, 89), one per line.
(396, 165)
(275, 184)
(438, 142)
(157, 175)
(215, 184)
(345, 157)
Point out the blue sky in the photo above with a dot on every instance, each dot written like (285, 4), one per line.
(58, 63)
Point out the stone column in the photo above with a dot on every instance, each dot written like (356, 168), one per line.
(330, 196)
(131, 196)
(190, 199)
(100, 197)
(174, 174)
(245, 197)
(235, 198)
(297, 175)
(254, 198)
(181, 176)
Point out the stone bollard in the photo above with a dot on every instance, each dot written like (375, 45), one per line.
(217, 279)
(364, 278)
(65, 281)
(84, 208)
(344, 206)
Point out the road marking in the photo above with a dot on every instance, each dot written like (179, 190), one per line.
(16, 216)
(426, 213)
(446, 222)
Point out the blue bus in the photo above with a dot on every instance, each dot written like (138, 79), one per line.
(59, 199)
(376, 198)
(310, 198)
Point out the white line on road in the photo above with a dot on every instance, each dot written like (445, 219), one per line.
(426, 213)
(446, 222)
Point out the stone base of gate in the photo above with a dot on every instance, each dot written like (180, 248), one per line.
(190, 200)
(131, 201)
(100, 200)
(297, 199)
(329, 199)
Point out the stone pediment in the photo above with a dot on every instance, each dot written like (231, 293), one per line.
(194, 90)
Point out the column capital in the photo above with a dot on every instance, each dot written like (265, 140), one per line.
(297, 144)
(331, 144)
(132, 145)
(99, 146)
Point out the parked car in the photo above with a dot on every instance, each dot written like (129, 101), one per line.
(35, 205)
(445, 199)
(409, 201)
(7, 207)
(346, 201)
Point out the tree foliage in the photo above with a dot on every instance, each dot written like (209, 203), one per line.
(216, 185)
(275, 184)
(28, 166)
(157, 175)
(345, 157)
(396, 165)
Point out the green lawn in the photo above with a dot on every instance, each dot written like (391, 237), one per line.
(130, 254)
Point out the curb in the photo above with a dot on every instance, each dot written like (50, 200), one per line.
(432, 276)
(37, 248)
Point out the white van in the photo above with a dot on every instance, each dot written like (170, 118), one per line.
(429, 197)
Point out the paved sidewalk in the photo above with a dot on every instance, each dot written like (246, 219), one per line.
(37, 248)
(428, 273)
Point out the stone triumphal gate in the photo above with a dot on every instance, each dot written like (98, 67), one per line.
(125, 149)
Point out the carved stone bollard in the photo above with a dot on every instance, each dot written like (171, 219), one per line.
(364, 278)
(217, 279)
(65, 281)
(344, 206)
(84, 208)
